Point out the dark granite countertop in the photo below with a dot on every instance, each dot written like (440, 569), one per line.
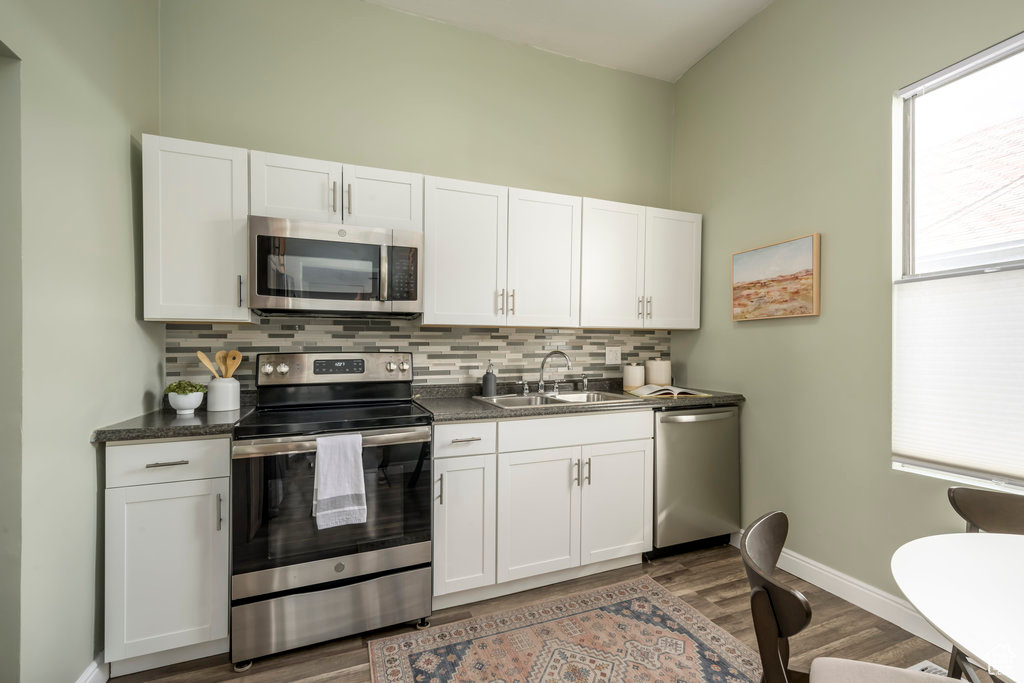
(463, 409)
(166, 424)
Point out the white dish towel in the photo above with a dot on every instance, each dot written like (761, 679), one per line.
(339, 493)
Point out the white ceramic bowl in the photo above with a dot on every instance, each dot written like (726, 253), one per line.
(185, 404)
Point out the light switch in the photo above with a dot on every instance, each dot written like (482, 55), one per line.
(612, 355)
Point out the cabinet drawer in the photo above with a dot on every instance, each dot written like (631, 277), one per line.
(163, 461)
(556, 432)
(472, 438)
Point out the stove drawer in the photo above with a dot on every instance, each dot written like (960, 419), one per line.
(156, 462)
(471, 438)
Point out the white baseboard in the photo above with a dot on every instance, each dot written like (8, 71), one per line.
(885, 605)
(96, 672)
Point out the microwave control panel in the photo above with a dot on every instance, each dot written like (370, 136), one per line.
(402, 273)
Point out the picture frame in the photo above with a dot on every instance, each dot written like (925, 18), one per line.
(780, 280)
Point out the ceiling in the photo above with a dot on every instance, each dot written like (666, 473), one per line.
(656, 38)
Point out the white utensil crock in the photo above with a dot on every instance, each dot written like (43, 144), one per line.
(659, 372)
(632, 376)
(224, 393)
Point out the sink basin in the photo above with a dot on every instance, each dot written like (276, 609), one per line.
(533, 400)
(595, 397)
(514, 401)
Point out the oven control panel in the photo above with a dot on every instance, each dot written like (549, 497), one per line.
(330, 368)
(340, 366)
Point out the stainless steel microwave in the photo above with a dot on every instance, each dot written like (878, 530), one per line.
(307, 268)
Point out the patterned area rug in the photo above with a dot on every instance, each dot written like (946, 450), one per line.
(627, 632)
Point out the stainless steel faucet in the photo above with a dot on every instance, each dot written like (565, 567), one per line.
(568, 366)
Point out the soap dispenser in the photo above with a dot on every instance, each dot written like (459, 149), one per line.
(490, 381)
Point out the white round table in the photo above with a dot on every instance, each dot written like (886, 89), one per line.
(970, 587)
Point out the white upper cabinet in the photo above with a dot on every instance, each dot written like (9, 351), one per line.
(465, 247)
(612, 264)
(194, 231)
(283, 186)
(379, 198)
(544, 232)
(672, 270)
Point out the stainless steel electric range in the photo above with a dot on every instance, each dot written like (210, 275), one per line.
(292, 584)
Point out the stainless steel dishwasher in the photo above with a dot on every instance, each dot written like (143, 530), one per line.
(696, 474)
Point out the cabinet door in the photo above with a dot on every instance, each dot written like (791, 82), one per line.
(538, 512)
(379, 198)
(195, 214)
(618, 500)
(283, 186)
(166, 566)
(464, 507)
(465, 243)
(612, 264)
(672, 270)
(543, 259)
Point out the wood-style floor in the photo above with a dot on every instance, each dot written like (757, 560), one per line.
(712, 580)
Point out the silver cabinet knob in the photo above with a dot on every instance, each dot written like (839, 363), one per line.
(403, 366)
(267, 369)
(390, 366)
(282, 368)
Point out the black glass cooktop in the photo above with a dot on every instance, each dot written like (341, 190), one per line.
(312, 421)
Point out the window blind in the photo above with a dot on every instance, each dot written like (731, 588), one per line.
(958, 375)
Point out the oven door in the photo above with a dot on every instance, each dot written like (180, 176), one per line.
(275, 543)
(304, 266)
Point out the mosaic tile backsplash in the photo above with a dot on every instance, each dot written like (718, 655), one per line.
(441, 355)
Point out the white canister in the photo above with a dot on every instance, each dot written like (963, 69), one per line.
(659, 371)
(223, 393)
(632, 376)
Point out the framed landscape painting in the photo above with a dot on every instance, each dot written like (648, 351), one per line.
(777, 281)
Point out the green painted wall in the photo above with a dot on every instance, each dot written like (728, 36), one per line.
(88, 84)
(781, 131)
(10, 342)
(349, 81)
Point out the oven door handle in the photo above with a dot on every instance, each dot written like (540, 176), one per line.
(259, 448)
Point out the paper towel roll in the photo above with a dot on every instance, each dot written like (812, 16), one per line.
(659, 372)
(632, 376)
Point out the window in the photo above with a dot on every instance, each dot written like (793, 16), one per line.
(958, 297)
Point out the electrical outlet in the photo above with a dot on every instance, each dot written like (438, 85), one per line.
(612, 355)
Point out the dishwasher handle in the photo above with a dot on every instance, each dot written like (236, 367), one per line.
(699, 417)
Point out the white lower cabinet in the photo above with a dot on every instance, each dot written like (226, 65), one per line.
(617, 500)
(550, 499)
(166, 568)
(464, 506)
(538, 512)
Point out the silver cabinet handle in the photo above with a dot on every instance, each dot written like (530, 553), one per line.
(700, 417)
(440, 496)
(220, 514)
(239, 291)
(501, 306)
(640, 307)
(589, 463)
(512, 303)
(650, 306)
(166, 464)
(334, 197)
(577, 477)
(467, 439)
(351, 196)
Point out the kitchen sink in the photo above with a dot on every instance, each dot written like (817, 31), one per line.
(595, 397)
(533, 400)
(515, 401)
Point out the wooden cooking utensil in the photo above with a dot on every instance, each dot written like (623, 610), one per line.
(206, 361)
(234, 359)
(221, 359)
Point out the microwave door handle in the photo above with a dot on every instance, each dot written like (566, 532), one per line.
(383, 272)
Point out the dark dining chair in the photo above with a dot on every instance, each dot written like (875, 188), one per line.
(994, 512)
(780, 612)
